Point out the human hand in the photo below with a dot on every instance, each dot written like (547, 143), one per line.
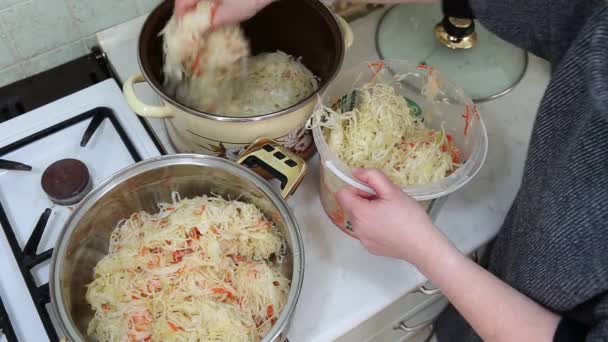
(228, 11)
(184, 6)
(389, 224)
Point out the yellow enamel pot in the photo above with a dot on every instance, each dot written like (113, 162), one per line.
(301, 28)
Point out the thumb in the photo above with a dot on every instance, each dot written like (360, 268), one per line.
(383, 187)
(350, 199)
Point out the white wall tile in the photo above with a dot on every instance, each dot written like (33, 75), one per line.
(96, 15)
(146, 6)
(37, 26)
(7, 51)
(36, 35)
(54, 58)
(10, 75)
(6, 3)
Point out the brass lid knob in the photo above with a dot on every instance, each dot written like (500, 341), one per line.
(456, 33)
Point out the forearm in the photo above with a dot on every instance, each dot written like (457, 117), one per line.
(496, 311)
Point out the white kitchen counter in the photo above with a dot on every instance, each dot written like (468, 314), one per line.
(344, 285)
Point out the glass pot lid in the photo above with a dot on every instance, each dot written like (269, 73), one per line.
(481, 63)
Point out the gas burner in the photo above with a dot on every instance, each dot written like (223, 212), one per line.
(66, 181)
(6, 328)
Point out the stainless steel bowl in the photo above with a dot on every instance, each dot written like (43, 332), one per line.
(84, 239)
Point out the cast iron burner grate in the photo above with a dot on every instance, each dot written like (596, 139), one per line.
(5, 324)
(28, 257)
(36, 91)
(24, 96)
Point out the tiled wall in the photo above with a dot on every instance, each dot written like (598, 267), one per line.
(36, 35)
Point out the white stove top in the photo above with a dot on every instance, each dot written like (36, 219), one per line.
(21, 196)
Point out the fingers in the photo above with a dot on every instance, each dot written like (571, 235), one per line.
(366, 195)
(228, 14)
(184, 6)
(225, 12)
(350, 199)
(375, 179)
(224, 16)
(235, 11)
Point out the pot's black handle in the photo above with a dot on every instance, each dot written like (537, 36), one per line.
(457, 29)
(457, 9)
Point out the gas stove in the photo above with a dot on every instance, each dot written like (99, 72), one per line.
(61, 134)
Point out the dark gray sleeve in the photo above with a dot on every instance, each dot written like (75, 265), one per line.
(570, 331)
(599, 329)
(543, 27)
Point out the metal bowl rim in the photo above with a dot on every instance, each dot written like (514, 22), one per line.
(66, 324)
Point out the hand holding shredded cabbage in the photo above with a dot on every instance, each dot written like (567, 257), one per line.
(202, 63)
(199, 270)
(379, 132)
(211, 70)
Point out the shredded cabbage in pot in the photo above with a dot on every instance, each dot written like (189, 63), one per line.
(211, 69)
(202, 269)
(379, 132)
(201, 64)
(274, 81)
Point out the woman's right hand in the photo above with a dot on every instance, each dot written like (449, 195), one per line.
(228, 11)
(235, 11)
(391, 223)
(184, 6)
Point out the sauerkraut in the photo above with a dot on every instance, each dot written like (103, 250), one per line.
(212, 71)
(373, 128)
(202, 63)
(202, 269)
(274, 81)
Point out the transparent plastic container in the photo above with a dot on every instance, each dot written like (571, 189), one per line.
(448, 105)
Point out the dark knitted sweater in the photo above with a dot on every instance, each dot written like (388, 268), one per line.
(553, 246)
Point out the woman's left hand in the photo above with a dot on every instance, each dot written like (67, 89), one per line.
(389, 224)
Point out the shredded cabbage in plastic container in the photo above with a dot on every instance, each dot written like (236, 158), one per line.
(380, 132)
(202, 269)
(211, 69)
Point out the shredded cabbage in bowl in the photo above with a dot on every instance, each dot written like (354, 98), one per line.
(203, 269)
(374, 128)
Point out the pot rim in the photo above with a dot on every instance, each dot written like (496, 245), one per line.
(59, 308)
(262, 117)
